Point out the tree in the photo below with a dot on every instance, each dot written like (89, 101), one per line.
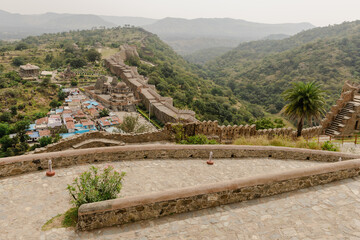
(132, 124)
(54, 103)
(61, 95)
(305, 101)
(74, 83)
(5, 117)
(44, 141)
(93, 55)
(13, 110)
(17, 61)
(4, 129)
(104, 113)
(21, 46)
(77, 62)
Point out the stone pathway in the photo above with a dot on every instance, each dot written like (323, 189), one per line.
(324, 212)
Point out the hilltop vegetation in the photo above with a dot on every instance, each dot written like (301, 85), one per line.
(170, 73)
(258, 72)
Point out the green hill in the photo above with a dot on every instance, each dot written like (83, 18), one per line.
(172, 75)
(260, 71)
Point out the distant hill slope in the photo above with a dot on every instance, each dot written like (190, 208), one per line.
(260, 71)
(133, 21)
(175, 30)
(204, 55)
(16, 26)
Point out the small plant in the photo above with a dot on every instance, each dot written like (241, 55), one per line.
(329, 146)
(198, 139)
(91, 186)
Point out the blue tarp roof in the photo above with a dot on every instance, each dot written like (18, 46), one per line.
(34, 135)
(31, 127)
(59, 110)
(92, 103)
(66, 135)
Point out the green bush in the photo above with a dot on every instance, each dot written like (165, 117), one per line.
(329, 146)
(198, 139)
(44, 141)
(91, 186)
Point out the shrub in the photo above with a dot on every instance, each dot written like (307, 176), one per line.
(329, 146)
(44, 141)
(74, 83)
(132, 124)
(104, 113)
(91, 186)
(198, 139)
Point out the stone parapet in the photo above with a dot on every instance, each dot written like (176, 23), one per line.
(121, 211)
(68, 143)
(34, 162)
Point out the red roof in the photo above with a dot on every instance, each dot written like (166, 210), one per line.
(55, 116)
(40, 121)
(67, 119)
(44, 133)
(70, 125)
(86, 122)
(93, 110)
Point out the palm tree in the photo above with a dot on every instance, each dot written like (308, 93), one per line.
(305, 101)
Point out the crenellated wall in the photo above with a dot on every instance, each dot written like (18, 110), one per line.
(161, 107)
(345, 97)
(227, 134)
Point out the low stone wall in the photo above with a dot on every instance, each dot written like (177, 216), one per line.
(68, 143)
(131, 209)
(27, 163)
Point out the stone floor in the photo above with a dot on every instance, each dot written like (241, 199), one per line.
(324, 212)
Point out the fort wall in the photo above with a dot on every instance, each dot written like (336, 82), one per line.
(161, 107)
(37, 162)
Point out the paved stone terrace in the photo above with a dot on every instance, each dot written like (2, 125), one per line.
(28, 201)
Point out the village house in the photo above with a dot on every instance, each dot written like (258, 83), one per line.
(41, 123)
(54, 121)
(44, 133)
(106, 122)
(29, 71)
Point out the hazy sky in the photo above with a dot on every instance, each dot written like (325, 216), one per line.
(317, 12)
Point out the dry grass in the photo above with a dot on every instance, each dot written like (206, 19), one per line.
(278, 141)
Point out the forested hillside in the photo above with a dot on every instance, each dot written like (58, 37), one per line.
(172, 75)
(260, 71)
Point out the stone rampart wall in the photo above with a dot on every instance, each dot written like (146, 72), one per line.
(345, 97)
(227, 134)
(166, 112)
(68, 143)
(33, 162)
(131, 209)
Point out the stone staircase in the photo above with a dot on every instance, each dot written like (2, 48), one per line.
(343, 115)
